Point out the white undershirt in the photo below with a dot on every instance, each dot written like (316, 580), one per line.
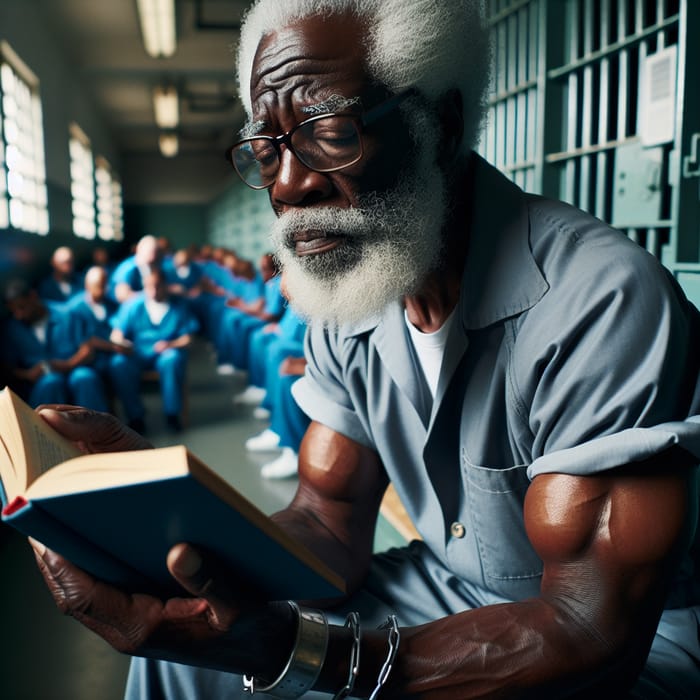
(144, 271)
(430, 348)
(156, 310)
(39, 329)
(99, 311)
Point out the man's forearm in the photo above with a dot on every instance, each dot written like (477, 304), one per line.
(308, 529)
(182, 342)
(509, 650)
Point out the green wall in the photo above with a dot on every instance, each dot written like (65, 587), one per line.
(240, 219)
(181, 224)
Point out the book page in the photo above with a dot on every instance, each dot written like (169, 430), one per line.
(8, 477)
(33, 446)
(45, 451)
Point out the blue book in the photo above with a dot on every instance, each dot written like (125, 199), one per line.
(117, 514)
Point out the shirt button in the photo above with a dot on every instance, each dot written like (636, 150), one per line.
(458, 530)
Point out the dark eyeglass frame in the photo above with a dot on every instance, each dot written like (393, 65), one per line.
(372, 115)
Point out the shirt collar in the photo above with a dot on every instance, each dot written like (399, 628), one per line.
(501, 278)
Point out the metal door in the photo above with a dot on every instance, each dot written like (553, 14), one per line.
(597, 103)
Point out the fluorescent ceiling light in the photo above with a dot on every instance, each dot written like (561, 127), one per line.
(157, 26)
(168, 145)
(165, 106)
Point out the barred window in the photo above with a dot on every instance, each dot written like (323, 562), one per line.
(23, 197)
(110, 218)
(82, 176)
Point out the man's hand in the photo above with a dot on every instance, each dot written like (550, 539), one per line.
(209, 629)
(85, 354)
(82, 356)
(180, 342)
(32, 374)
(218, 623)
(92, 431)
(118, 338)
(160, 346)
(294, 366)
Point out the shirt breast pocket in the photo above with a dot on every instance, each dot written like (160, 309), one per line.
(495, 498)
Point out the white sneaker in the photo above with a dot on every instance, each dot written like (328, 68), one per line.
(225, 370)
(283, 467)
(261, 413)
(264, 442)
(252, 396)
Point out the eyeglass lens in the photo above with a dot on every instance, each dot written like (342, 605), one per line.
(324, 144)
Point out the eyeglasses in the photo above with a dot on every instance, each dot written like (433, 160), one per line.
(323, 143)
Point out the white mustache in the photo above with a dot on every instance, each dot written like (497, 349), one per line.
(327, 221)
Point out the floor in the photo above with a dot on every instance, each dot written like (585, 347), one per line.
(46, 656)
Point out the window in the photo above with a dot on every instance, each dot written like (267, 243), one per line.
(110, 225)
(82, 189)
(23, 199)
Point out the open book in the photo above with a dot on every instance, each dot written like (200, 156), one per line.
(117, 514)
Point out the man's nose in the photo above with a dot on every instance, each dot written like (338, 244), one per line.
(297, 184)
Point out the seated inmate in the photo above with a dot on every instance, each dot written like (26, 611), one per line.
(47, 357)
(524, 375)
(158, 328)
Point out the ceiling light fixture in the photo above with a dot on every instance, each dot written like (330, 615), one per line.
(157, 19)
(169, 145)
(165, 106)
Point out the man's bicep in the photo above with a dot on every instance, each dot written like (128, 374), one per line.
(335, 469)
(341, 484)
(611, 544)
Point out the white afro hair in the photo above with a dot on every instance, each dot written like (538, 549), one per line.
(433, 46)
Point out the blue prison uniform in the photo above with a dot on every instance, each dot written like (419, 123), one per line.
(23, 349)
(125, 370)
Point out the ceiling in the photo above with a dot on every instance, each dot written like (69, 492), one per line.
(103, 40)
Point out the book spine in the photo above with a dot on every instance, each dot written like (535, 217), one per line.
(34, 522)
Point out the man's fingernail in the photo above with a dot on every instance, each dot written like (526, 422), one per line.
(37, 546)
(188, 562)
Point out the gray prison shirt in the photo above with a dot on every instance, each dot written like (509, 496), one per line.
(575, 352)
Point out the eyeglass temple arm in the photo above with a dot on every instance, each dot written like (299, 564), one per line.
(385, 107)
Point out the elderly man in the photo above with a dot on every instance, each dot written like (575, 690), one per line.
(93, 312)
(525, 376)
(46, 354)
(63, 283)
(158, 328)
(127, 280)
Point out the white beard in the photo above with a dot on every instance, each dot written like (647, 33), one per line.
(392, 242)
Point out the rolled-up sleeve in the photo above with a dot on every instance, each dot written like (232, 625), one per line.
(607, 372)
(610, 451)
(322, 392)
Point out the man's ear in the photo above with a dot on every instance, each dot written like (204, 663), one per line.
(451, 118)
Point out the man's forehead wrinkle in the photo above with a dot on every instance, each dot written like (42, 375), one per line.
(287, 55)
(307, 91)
(294, 70)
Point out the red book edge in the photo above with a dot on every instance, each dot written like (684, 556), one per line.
(14, 505)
